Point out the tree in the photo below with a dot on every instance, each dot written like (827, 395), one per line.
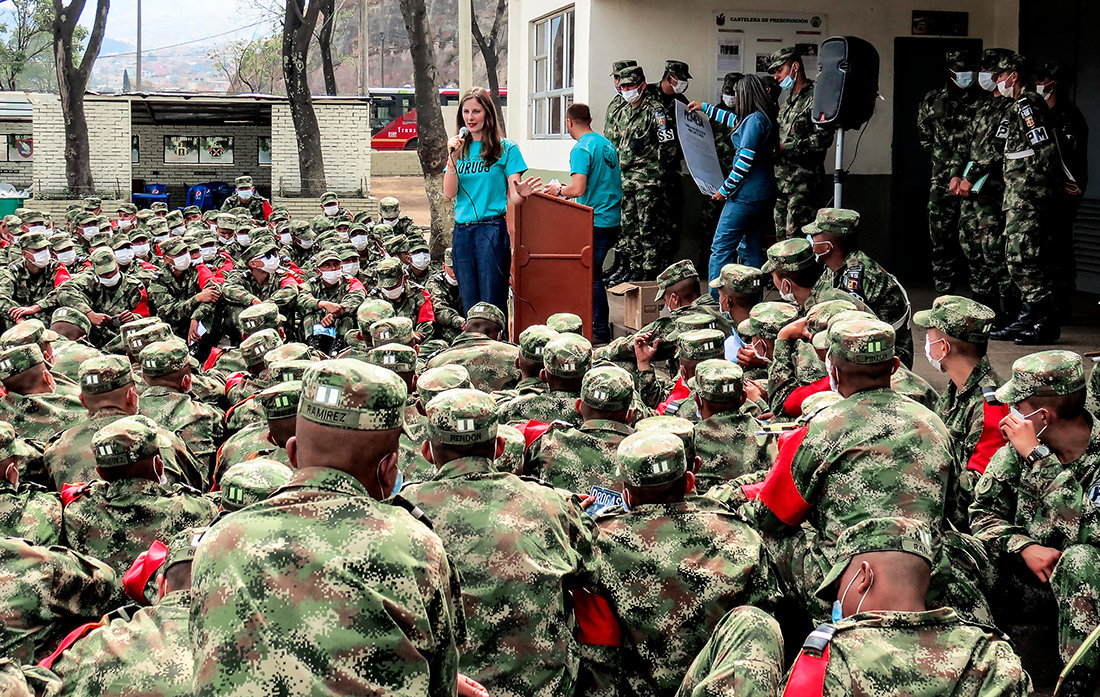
(298, 25)
(72, 81)
(251, 65)
(431, 145)
(490, 52)
(324, 44)
(25, 40)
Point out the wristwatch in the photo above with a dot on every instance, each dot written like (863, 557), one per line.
(1037, 454)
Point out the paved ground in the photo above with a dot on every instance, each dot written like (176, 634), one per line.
(408, 190)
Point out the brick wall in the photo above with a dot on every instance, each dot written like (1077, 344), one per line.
(152, 169)
(108, 132)
(310, 208)
(345, 145)
(20, 172)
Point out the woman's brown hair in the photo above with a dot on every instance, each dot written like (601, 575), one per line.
(491, 147)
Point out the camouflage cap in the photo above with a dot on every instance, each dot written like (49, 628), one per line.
(1043, 374)
(389, 207)
(818, 402)
(242, 181)
(260, 249)
(321, 224)
(959, 318)
(33, 241)
(567, 356)
(565, 322)
(836, 221)
(489, 312)
(91, 203)
(876, 535)
(729, 80)
(101, 239)
(766, 319)
(991, 57)
(399, 358)
(280, 401)
(158, 207)
(124, 442)
(382, 231)
(462, 417)
(29, 331)
(435, 381)
(372, 310)
(226, 221)
(301, 230)
(11, 445)
(791, 254)
(675, 425)
(261, 316)
(31, 217)
(71, 315)
(678, 69)
(779, 58)
(61, 241)
(675, 273)
(607, 388)
(737, 278)
(135, 325)
(701, 344)
(631, 75)
(819, 315)
(351, 394)
(161, 358)
(182, 547)
(533, 340)
(140, 235)
(252, 481)
(1011, 61)
(958, 59)
(17, 359)
(448, 257)
(511, 460)
(719, 381)
(650, 458)
(417, 244)
(861, 341)
(294, 351)
(174, 218)
(104, 374)
(821, 339)
(431, 347)
(287, 371)
(138, 339)
(329, 197)
(193, 210)
(174, 247)
(618, 66)
(389, 272)
(103, 262)
(12, 221)
(394, 330)
(395, 244)
(694, 320)
(256, 346)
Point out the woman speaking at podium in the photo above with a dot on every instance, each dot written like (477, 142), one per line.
(482, 175)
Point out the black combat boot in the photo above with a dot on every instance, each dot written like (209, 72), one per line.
(1044, 329)
(1029, 315)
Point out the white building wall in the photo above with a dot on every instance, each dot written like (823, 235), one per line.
(345, 145)
(109, 139)
(652, 31)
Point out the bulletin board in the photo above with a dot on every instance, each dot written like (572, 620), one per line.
(744, 40)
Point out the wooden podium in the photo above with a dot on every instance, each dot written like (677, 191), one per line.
(551, 261)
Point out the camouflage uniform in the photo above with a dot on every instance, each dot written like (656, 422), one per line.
(1018, 503)
(412, 302)
(645, 138)
(795, 363)
(578, 458)
(246, 483)
(429, 384)
(18, 288)
(43, 591)
(670, 571)
(28, 510)
(85, 293)
(68, 355)
(516, 543)
(800, 167)
(742, 658)
(251, 442)
(174, 297)
(567, 356)
(255, 204)
(943, 120)
(348, 293)
(35, 416)
(393, 592)
(491, 364)
(447, 303)
(28, 681)
(726, 442)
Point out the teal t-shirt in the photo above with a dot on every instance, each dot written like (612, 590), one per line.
(483, 188)
(595, 157)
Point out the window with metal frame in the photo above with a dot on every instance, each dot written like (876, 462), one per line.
(552, 73)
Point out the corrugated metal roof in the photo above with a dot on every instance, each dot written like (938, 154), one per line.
(14, 106)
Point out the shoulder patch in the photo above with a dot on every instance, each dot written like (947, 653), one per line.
(819, 639)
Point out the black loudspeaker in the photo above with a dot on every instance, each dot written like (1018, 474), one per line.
(846, 89)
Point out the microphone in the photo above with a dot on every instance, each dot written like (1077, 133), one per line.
(463, 133)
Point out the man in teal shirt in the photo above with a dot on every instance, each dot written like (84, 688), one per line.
(596, 182)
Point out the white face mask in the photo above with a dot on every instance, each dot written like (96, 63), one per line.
(284, 238)
(631, 96)
(829, 372)
(124, 256)
(196, 260)
(985, 81)
(160, 238)
(208, 253)
(181, 262)
(141, 249)
(243, 240)
(1043, 90)
(350, 269)
(213, 227)
(818, 256)
(934, 362)
(124, 223)
(179, 230)
(727, 99)
(390, 221)
(41, 257)
(244, 194)
(420, 260)
(394, 293)
(271, 262)
(788, 295)
(42, 229)
(1003, 89)
(67, 257)
(330, 209)
(342, 234)
(449, 276)
(963, 79)
(332, 277)
(360, 241)
(305, 244)
(680, 87)
(87, 231)
(109, 282)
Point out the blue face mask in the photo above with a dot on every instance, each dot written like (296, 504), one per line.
(787, 83)
(838, 611)
(397, 484)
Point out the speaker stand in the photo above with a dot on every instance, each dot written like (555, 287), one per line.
(839, 173)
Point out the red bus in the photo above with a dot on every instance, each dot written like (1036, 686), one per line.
(393, 115)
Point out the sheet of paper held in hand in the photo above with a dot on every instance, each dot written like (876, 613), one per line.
(697, 142)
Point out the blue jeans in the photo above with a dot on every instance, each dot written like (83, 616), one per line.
(482, 254)
(603, 239)
(741, 230)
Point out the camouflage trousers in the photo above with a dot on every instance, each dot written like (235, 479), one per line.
(981, 236)
(943, 229)
(744, 656)
(1027, 244)
(1076, 587)
(647, 243)
(796, 204)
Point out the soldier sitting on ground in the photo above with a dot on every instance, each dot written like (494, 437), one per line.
(566, 359)
(480, 349)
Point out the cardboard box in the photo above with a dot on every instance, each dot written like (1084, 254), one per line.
(639, 308)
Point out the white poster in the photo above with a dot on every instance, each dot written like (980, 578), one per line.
(729, 55)
(697, 143)
(762, 33)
